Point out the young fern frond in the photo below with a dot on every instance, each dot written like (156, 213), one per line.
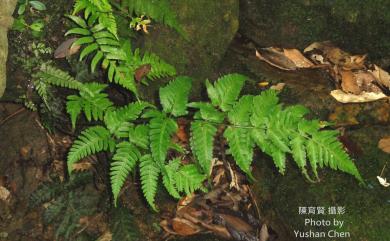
(207, 112)
(149, 172)
(202, 143)
(225, 91)
(124, 161)
(174, 96)
(138, 135)
(92, 140)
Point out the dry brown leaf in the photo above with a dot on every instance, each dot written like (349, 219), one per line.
(384, 144)
(382, 76)
(264, 234)
(343, 97)
(276, 58)
(278, 86)
(297, 57)
(142, 71)
(82, 166)
(5, 194)
(185, 227)
(355, 62)
(66, 49)
(349, 83)
(366, 81)
(107, 236)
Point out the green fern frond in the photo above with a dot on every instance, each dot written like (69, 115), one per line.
(224, 92)
(58, 77)
(241, 111)
(74, 105)
(160, 68)
(264, 105)
(118, 120)
(169, 177)
(202, 143)
(157, 10)
(188, 179)
(149, 172)
(90, 141)
(174, 96)
(124, 160)
(161, 130)
(139, 136)
(207, 112)
(241, 147)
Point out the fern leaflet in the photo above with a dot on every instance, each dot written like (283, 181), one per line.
(174, 96)
(149, 172)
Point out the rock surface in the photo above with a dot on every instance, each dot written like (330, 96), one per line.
(209, 25)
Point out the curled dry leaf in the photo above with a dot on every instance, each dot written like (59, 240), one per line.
(66, 49)
(384, 144)
(383, 181)
(276, 58)
(382, 76)
(343, 97)
(106, 236)
(142, 71)
(349, 83)
(297, 57)
(185, 227)
(264, 235)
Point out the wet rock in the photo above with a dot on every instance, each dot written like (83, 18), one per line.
(209, 25)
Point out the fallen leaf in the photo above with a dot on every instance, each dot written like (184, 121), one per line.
(383, 181)
(5, 194)
(297, 57)
(66, 49)
(264, 235)
(343, 97)
(81, 166)
(142, 71)
(184, 227)
(384, 144)
(107, 236)
(275, 58)
(355, 62)
(349, 83)
(278, 86)
(382, 76)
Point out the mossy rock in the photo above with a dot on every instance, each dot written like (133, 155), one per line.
(209, 26)
(356, 26)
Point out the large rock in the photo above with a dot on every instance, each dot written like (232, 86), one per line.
(356, 26)
(6, 10)
(210, 27)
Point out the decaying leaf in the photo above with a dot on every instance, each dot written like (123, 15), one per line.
(384, 144)
(5, 194)
(142, 71)
(276, 58)
(81, 166)
(66, 49)
(382, 76)
(264, 235)
(297, 57)
(383, 181)
(343, 97)
(185, 227)
(106, 236)
(348, 82)
(278, 86)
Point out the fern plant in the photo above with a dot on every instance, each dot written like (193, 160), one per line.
(97, 33)
(139, 134)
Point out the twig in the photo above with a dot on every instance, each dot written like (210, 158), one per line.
(12, 115)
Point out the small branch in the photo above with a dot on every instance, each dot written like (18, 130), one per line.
(12, 115)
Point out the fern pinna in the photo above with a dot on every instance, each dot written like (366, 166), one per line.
(140, 135)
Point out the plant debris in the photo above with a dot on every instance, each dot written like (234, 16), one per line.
(227, 211)
(356, 80)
